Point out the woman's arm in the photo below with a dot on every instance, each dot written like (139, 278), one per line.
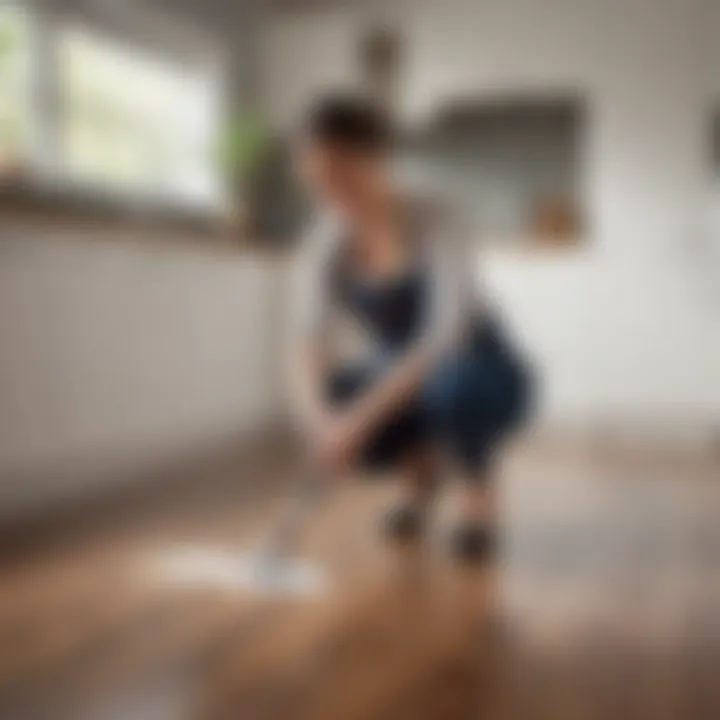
(309, 313)
(451, 276)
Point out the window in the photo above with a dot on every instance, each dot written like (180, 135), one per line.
(14, 89)
(105, 115)
(133, 122)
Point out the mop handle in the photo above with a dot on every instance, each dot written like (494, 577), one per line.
(313, 490)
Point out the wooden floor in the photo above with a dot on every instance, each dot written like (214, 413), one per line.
(603, 604)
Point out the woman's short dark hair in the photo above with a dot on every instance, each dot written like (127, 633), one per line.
(350, 122)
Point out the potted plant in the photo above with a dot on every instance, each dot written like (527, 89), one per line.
(245, 145)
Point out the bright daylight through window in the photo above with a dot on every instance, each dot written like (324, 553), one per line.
(120, 119)
(15, 119)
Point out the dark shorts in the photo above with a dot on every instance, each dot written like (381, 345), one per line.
(467, 405)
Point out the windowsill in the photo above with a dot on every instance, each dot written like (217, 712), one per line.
(27, 203)
(529, 246)
(25, 200)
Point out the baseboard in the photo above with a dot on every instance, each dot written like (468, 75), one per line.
(63, 487)
(650, 435)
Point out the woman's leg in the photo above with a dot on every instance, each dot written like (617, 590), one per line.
(475, 402)
(477, 515)
(479, 499)
(401, 443)
(419, 469)
(420, 473)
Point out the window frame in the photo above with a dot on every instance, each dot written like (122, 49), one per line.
(46, 177)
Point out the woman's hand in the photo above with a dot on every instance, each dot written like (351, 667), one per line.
(336, 440)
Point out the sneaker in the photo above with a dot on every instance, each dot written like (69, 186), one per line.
(473, 542)
(405, 521)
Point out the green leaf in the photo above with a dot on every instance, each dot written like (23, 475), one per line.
(243, 145)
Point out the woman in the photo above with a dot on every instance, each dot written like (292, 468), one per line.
(440, 375)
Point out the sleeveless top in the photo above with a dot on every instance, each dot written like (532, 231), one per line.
(430, 302)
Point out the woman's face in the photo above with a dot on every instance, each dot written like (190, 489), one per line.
(347, 179)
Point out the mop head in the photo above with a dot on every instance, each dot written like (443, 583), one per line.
(263, 573)
(281, 575)
(271, 571)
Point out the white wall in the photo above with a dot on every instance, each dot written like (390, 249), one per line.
(302, 55)
(627, 328)
(116, 355)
